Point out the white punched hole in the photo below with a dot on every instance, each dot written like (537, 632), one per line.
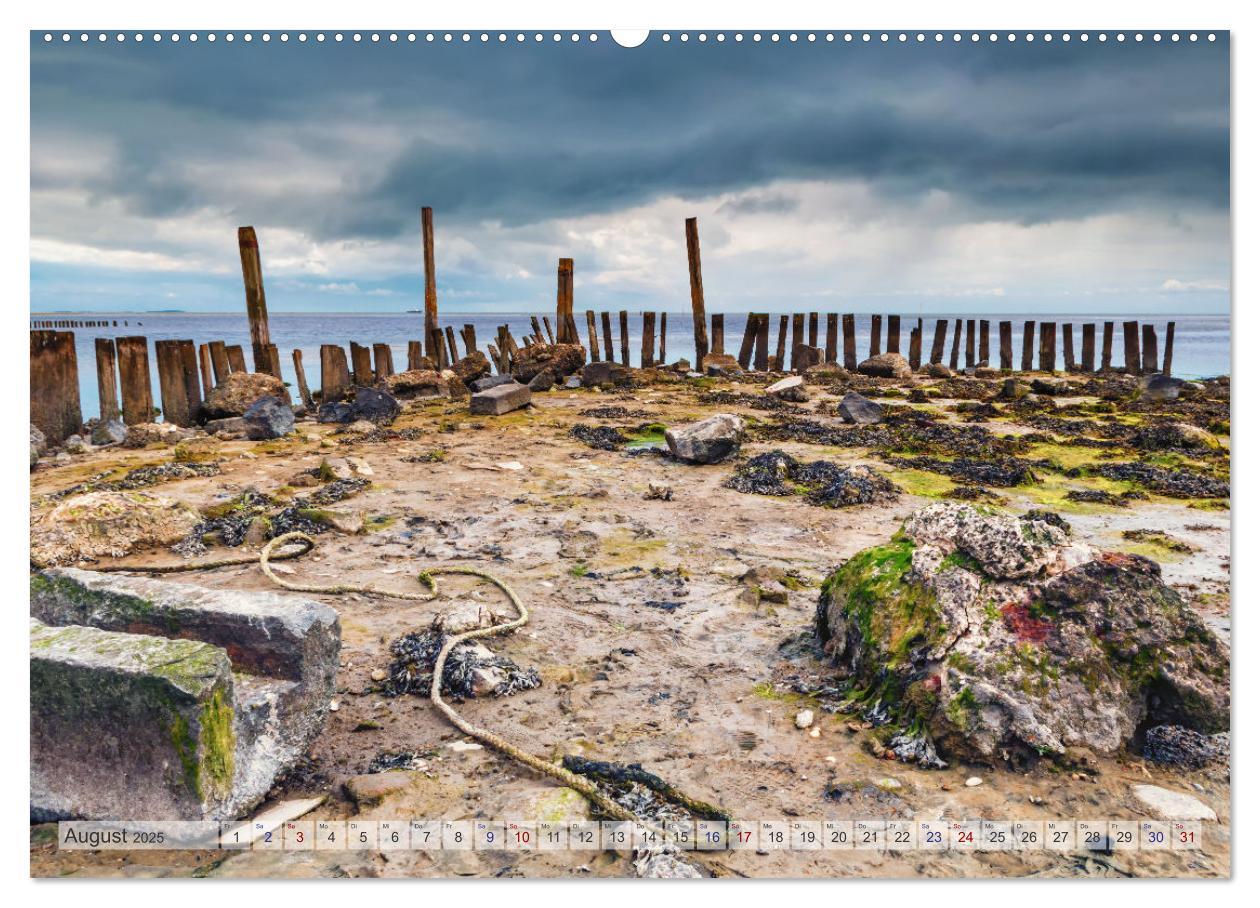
(630, 37)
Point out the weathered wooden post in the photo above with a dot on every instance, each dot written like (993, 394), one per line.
(470, 339)
(334, 374)
(894, 334)
(798, 336)
(207, 379)
(54, 390)
(134, 382)
(661, 358)
(746, 345)
(303, 388)
(982, 356)
(761, 356)
(717, 343)
(415, 350)
(971, 343)
(439, 349)
(697, 291)
(649, 338)
(606, 323)
(916, 345)
(176, 407)
(1087, 347)
(1046, 360)
(833, 327)
(1069, 350)
(1132, 355)
(106, 381)
(1006, 356)
(780, 347)
(938, 341)
(430, 281)
(564, 301)
(1168, 347)
(255, 297)
(1108, 332)
(219, 360)
(593, 335)
(876, 321)
(1150, 349)
(533, 321)
(954, 347)
(813, 329)
(383, 357)
(450, 346)
(623, 319)
(849, 329)
(361, 360)
(1026, 354)
(236, 358)
(551, 338)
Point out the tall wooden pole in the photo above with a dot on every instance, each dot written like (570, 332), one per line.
(255, 298)
(430, 282)
(697, 291)
(564, 301)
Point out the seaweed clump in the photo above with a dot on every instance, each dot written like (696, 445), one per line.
(470, 671)
(824, 484)
(602, 438)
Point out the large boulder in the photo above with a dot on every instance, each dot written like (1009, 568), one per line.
(721, 365)
(472, 367)
(974, 634)
(268, 417)
(791, 388)
(107, 525)
(1156, 388)
(109, 432)
(415, 383)
(606, 374)
(708, 441)
(236, 393)
(375, 406)
(558, 359)
(855, 408)
(886, 365)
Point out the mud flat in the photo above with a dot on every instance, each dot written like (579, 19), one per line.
(673, 603)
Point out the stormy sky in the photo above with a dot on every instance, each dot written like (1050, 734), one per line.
(1008, 177)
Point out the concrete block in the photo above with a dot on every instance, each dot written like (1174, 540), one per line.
(500, 399)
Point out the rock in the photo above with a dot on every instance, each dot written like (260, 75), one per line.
(472, 367)
(886, 365)
(109, 432)
(38, 442)
(76, 445)
(231, 425)
(1014, 389)
(888, 784)
(1172, 805)
(826, 374)
(359, 427)
(107, 525)
(974, 781)
(62, 458)
(126, 722)
(543, 381)
(331, 468)
(1157, 388)
(1172, 745)
(936, 370)
(416, 383)
(1051, 387)
(268, 417)
(236, 393)
(994, 633)
(141, 435)
(558, 359)
(682, 366)
(605, 373)
(573, 382)
(467, 616)
(379, 407)
(721, 365)
(256, 534)
(855, 408)
(805, 718)
(490, 381)
(708, 441)
(34, 457)
(791, 388)
(806, 357)
(349, 523)
(1182, 436)
(500, 399)
(379, 674)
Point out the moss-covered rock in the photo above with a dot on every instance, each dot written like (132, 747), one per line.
(971, 633)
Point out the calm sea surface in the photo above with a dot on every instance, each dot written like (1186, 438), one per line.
(1202, 346)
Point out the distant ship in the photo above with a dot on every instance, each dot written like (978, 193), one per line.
(415, 311)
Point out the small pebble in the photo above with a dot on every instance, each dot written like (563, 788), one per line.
(815, 732)
(887, 784)
(805, 718)
(974, 781)
(379, 674)
(333, 706)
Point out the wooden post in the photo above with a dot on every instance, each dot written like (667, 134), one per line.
(273, 360)
(1087, 347)
(1046, 360)
(384, 361)
(236, 358)
(533, 321)
(1006, 355)
(439, 348)
(219, 359)
(1132, 355)
(303, 388)
(450, 345)
(106, 381)
(717, 343)
(971, 343)
(1150, 349)
(761, 356)
(1109, 329)
(916, 346)
(207, 379)
(334, 375)
(849, 331)
(606, 323)
(1069, 349)
(175, 404)
(496, 359)
(798, 336)
(593, 335)
(780, 348)
(470, 339)
(361, 359)
(54, 390)
(551, 338)
(1168, 347)
(415, 350)
(813, 329)
(430, 281)
(134, 382)
(876, 320)
(1026, 354)
(697, 291)
(938, 341)
(564, 301)
(953, 350)
(833, 324)
(649, 337)
(255, 297)
(661, 358)
(624, 323)
(894, 334)
(982, 355)
(746, 345)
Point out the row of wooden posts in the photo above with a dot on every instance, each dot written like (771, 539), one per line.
(74, 323)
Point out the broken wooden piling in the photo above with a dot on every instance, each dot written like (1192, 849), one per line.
(1087, 347)
(106, 378)
(1026, 354)
(894, 334)
(54, 385)
(697, 292)
(1047, 359)
(593, 335)
(938, 341)
(1006, 355)
(430, 280)
(564, 302)
(219, 361)
(761, 354)
(1132, 354)
(304, 390)
(717, 342)
(134, 382)
(334, 373)
(1150, 350)
(623, 319)
(383, 362)
(255, 297)
(849, 330)
(649, 338)
(1169, 331)
(832, 350)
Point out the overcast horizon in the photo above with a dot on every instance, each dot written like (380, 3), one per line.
(1040, 178)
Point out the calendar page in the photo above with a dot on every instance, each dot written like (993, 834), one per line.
(398, 507)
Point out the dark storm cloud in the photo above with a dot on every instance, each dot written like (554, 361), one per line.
(521, 134)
